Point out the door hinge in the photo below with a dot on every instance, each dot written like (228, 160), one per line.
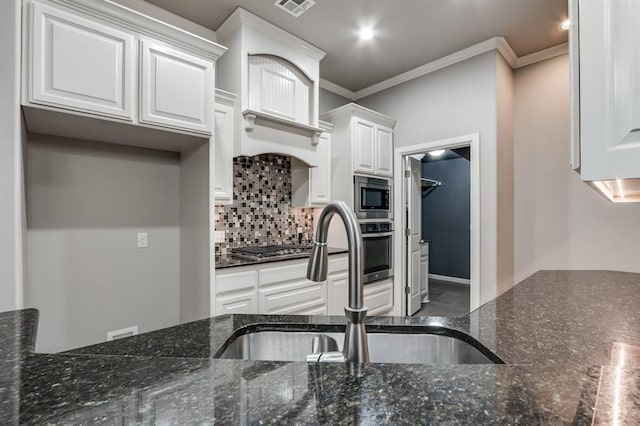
(407, 290)
(407, 232)
(407, 173)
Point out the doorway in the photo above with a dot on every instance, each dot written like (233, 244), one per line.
(438, 245)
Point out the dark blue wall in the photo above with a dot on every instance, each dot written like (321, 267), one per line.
(446, 217)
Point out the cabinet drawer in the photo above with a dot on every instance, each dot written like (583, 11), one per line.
(282, 274)
(245, 303)
(378, 297)
(295, 298)
(237, 281)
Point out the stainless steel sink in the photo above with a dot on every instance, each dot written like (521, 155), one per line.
(384, 347)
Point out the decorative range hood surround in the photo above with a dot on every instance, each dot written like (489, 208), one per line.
(276, 76)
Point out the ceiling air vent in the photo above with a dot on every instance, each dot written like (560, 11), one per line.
(295, 7)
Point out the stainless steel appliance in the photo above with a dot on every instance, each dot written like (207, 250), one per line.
(372, 198)
(263, 252)
(377, 240)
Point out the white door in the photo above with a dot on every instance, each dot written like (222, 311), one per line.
(414, 235)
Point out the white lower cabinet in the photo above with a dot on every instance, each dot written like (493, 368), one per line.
(282, 288)
(236, 292)
(378, 297)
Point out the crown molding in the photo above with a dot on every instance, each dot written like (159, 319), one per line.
(496, 43)
(125, 16)
(225, 98)
(349, 110)
(338, 90)
(241, 16)
(542, 55)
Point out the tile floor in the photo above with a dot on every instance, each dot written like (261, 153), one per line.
(446, 299)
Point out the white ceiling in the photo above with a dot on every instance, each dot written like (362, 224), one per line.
(410, 33)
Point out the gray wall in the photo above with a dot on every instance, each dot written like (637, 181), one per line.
(560, 222)
(86, 201)
(329, 100)
(11, 192)
(446, 217)
(459, 100)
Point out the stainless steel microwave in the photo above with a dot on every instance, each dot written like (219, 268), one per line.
(372, 198)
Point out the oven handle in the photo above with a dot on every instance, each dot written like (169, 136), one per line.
(377, 234)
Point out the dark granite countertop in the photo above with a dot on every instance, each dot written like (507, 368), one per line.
(561, 334)
(228, 261)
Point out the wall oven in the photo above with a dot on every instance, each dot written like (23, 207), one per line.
(377, 240)
(372, 198)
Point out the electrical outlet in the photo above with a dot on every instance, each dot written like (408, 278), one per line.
(122, 333)
(143, 240)
(219, 236)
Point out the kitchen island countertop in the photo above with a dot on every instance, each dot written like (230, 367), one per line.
(570, 340)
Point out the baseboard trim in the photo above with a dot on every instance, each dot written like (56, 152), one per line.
(450, 279)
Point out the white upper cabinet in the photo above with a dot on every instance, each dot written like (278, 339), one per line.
(81, 64)
(223, 143)
(361, 139)
(175, 88)
(119, 75)
(276, 76)
(605, 61)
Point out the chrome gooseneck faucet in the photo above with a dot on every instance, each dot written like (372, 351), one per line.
(356, 348)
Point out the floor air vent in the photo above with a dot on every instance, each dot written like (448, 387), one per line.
(295, 7)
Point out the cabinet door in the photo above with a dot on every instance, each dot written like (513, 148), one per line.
(384, 151)
(177, 88)
(363, 146)
(378, 297)
(223, 142)
(80, 64)
(236, 292)
(424, 276)
(338, 290)
(320, 177)
(609, 89)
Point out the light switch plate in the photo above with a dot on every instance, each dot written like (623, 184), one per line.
(143, 240)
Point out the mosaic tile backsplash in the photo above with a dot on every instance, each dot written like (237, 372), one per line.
(261, 213)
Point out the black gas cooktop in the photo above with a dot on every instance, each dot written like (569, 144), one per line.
(262, 252)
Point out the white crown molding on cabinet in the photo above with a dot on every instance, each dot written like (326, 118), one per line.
(338, 90)
(496, 43)
(355, 110)
(225, 98)
(119, 14)
(241, 16)
(542, 55)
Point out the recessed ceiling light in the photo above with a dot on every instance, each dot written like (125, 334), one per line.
(565, 25)
(366, 33)
(436, 153)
